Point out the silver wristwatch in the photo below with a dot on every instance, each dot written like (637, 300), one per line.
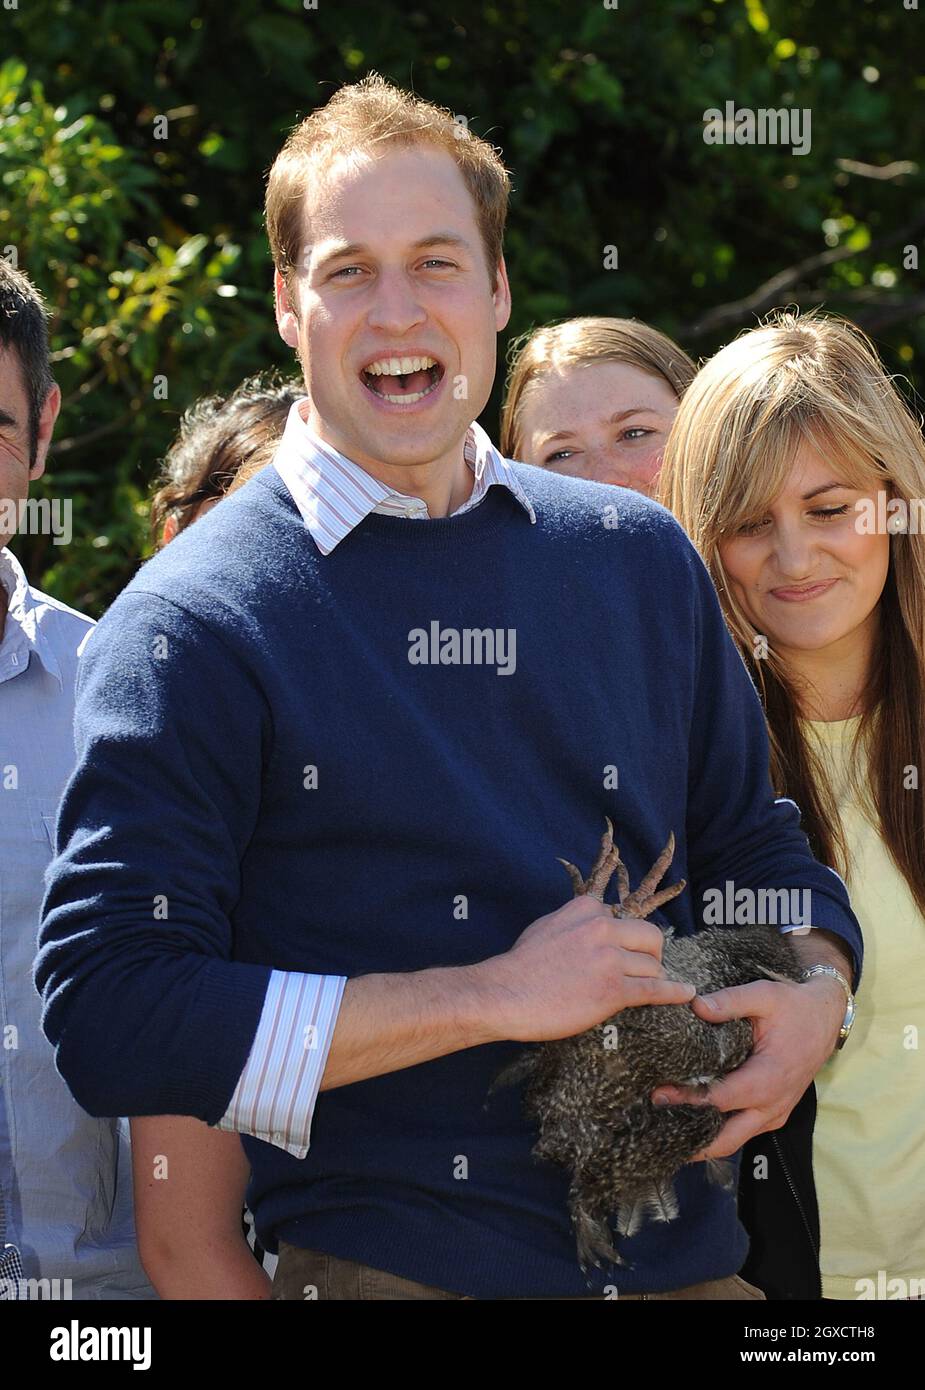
(848, 1020)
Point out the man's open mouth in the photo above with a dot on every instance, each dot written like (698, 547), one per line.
(402, 380)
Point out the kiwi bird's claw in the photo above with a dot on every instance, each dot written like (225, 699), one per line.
(665, 895)
(654, 877)
(638, 903)
(602, 871)
(578, 882)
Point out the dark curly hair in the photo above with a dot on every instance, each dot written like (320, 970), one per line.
(218, 435)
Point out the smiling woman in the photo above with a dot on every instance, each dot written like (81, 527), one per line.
(594, 398)
(810, 577)
(786, 444)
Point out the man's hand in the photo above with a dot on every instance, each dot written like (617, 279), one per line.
(796, 1028)
(574, 968)
(568, 971)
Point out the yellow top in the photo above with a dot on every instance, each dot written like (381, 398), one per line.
(869, 1147)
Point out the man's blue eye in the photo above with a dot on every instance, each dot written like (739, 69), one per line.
(345, 270)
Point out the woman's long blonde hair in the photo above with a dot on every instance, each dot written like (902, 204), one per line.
(815, 379)
(581, 342)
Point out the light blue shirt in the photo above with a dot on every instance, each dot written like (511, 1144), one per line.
(65, 1178)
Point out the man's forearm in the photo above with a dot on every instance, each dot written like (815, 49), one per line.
(391, 1021)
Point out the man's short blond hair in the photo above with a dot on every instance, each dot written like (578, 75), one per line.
(361, 118)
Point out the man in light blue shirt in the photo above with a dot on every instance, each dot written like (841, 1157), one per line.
(66, 1217)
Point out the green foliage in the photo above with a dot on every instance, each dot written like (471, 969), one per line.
(152, 254)
(129, 318)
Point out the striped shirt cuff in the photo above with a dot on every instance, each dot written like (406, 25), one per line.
(276, 1092)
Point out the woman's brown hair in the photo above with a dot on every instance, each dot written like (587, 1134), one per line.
(218, 436)
(579, 342)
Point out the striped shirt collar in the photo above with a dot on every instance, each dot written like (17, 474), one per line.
(334, 494)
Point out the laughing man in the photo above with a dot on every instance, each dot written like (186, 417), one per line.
(297, 864)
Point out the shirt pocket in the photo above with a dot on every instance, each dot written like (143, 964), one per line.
(27, 828)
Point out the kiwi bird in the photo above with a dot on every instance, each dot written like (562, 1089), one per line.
(590, 1094)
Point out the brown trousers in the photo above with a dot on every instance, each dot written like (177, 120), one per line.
(303, 1274)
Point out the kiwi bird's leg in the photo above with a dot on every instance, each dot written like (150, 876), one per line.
(644, 900)
(623, 882)
(638, 904)
(595, 885)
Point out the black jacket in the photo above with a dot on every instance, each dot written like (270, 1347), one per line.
(780, 1211)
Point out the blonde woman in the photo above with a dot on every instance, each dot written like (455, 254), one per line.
(794, 465)
(594, 398)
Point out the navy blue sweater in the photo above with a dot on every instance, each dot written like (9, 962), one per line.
(238, 658)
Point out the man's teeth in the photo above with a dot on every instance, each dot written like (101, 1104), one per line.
(409, 396)
(400, 366)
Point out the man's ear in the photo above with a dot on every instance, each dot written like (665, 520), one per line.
(46, 428)
(502, 297)
(286, 318)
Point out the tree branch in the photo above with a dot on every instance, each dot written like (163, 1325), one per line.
(80, 441)
(767, 295)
